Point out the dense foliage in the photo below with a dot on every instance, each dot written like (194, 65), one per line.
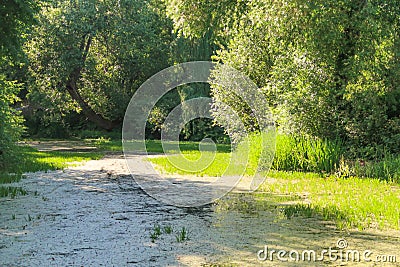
(329, 69)
(15, 18)
(91, 56)
(11, 122)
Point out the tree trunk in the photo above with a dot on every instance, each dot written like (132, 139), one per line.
(72, 89)
(98, 119)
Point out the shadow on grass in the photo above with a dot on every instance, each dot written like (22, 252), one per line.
(29, 159)
(328, 213)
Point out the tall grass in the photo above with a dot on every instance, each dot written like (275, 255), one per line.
(292, 153)
(295, 153)
(298, 153)
(387, 168)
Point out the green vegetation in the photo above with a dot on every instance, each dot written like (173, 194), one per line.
(328, 71)
(16, 18)
(292, 154)
(54, 160)
(167, 229)
(387, 168)
(158, 231)
(182, 236)
(361, 197)
(152, 146)
(95, 56)
(306, 154)
(11, 191)
(353, 202)
(105, 144)
(217, 165)
(31, 160)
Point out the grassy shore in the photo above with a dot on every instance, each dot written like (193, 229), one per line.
(351, 201)
(29, 159)
(340, 196)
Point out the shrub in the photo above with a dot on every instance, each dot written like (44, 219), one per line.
(10, 121)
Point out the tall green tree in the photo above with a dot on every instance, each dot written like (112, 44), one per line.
(15, 19)
(329, 69)
(214, 19)
(90, 56)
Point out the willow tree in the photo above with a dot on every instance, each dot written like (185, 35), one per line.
(329, 69)
(90, 56)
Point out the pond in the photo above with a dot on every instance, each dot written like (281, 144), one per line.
(96, 214)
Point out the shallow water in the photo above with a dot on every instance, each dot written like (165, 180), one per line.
(96, 215)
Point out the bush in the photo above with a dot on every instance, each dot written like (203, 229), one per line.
(10, 121)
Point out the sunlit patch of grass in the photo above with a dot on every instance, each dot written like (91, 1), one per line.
(191, 160)
(32, 160)
(242, 160)
(213, 165)
(351, 203)
(171, 164)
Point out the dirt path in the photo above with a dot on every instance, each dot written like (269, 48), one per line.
(96, 215)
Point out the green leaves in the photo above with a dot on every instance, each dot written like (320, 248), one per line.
(326, 67)
(15, 17)
(109, 48)
(10, 119)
